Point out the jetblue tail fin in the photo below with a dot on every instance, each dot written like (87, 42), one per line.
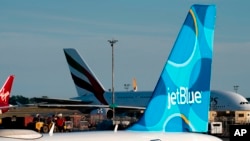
(5, 91)
(180, 101)
(84, 79)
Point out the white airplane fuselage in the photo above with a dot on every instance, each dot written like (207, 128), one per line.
(131, 98)
(219, 101)
(228, 101)
(134, 136)
(123, 136)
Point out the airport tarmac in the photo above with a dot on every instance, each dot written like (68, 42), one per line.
(25, 111)
(33, 110)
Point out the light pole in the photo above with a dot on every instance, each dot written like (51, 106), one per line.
(112, 42)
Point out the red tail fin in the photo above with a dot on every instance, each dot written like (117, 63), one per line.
(6, 90)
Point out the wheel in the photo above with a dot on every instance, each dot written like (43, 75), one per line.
(45, 129)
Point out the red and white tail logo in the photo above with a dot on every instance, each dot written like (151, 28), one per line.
(6, 90)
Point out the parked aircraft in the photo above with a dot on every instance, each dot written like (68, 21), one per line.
(228, 101)
(91, 92)
(5, 95)
(89, 88)
(180, 101)
(221, 100)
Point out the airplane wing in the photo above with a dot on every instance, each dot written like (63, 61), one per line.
(8, 107)
(60, 101)
(74, 103)
(83, 106)
(22, 134)
(90, 106)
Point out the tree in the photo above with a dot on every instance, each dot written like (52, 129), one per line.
(19, 98)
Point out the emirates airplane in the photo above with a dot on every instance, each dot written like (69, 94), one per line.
(178, 108)
(5, 95)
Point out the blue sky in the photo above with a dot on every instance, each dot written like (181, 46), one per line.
(34, 33)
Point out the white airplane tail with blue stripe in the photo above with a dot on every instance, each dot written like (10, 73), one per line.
(180, 100)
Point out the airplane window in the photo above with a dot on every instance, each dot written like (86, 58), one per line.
(216, 124)
(241, 115)
(244, 103)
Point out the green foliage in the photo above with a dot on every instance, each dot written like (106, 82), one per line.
(19, 98)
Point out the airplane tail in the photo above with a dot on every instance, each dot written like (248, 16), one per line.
(5, 91)
(183, 89)
(84, 79)
(134, 84)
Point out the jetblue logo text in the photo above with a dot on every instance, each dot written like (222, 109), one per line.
(183, 96)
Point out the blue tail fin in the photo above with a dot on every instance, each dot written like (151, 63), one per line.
(180, 100)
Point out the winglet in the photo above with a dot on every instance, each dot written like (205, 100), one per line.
(180, 101)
